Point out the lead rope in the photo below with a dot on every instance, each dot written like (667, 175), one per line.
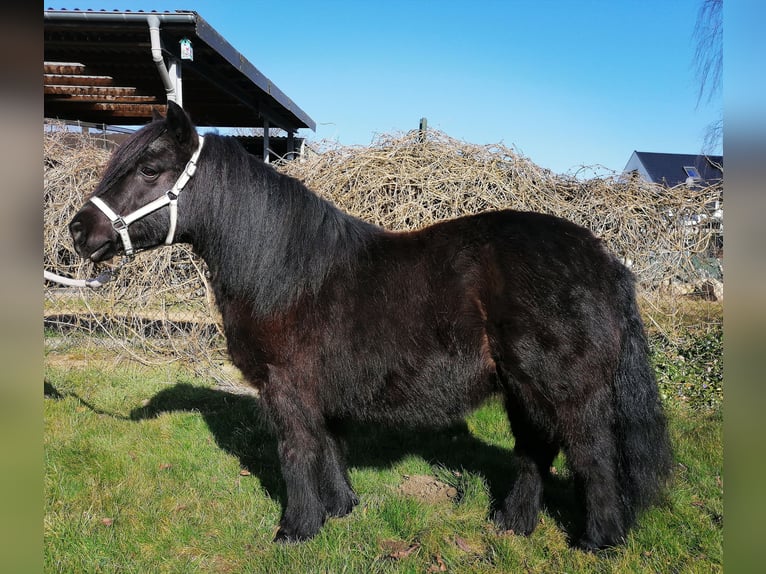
(94, 283)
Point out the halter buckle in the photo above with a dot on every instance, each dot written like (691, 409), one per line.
(119, 224)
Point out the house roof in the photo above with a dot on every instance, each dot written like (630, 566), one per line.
(668, 168)
(99, 68)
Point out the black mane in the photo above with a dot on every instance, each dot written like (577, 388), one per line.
(296, 238)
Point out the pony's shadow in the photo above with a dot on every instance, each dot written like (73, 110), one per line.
(239, 428)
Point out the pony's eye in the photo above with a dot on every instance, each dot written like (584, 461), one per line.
(149, 172)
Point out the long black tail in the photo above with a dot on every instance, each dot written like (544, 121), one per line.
(645, 455)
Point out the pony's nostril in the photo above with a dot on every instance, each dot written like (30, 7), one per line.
(77, 231)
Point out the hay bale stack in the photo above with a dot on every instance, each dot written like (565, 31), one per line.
(72, 165)
(161, 309)
(406, 182)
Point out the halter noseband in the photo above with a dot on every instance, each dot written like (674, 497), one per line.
(170, 197)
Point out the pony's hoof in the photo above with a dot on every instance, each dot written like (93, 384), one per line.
(285, 537)
(341, 509)
(338, 499)
(290, 533)
(282, 537)
(514, 524)
(587, 544)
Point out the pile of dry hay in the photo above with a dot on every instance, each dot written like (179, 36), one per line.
(399, 182)
(404, 183)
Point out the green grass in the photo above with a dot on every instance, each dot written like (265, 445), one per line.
(150, 470)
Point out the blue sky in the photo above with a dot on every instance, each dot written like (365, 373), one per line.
(565, 83)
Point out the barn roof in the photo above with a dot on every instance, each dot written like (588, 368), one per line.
(99, 68)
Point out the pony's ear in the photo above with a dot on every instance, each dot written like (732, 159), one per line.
(156, 115)
(178, 123)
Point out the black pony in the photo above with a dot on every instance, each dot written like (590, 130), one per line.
(333, 318)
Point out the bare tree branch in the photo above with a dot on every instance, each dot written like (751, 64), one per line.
(708, 56)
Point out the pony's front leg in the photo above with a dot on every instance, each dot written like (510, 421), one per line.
(335, 488)
(300, 441)
(300, 456)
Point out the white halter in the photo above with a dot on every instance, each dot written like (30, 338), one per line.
(170, 197)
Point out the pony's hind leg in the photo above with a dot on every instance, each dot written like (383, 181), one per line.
(335, 488)
(591, 452)
(535, 450)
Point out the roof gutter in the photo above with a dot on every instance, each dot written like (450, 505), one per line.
(101, 16)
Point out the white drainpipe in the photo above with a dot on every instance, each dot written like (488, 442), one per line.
(154, 35)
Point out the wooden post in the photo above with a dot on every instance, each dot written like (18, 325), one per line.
(422, 130)
(291, 145)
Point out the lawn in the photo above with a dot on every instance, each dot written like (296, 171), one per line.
(151, 470)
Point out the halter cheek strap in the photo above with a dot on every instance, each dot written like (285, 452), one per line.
(119, 224)
(170, 198)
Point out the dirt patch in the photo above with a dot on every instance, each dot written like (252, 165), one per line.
(67, 360)
(427, 488)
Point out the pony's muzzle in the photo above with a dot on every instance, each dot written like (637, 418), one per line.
(92, 238)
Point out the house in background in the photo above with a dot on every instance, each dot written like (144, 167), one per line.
(672, 169)
(694, 171)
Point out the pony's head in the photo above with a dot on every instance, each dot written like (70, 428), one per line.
(134, 205)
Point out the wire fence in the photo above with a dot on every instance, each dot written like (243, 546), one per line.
(161, 310)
